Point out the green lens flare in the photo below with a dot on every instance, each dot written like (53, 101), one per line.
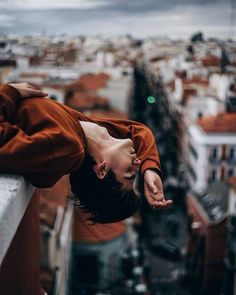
(151, 99)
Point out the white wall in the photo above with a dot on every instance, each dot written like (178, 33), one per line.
(207, 106)
(201, 143)
(15, 195)
(232, 201)
(220, 83)
(117, 91)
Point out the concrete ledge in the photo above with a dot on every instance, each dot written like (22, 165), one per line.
(15, 195)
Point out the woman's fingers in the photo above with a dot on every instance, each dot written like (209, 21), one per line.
(26, 90)
(163, 204)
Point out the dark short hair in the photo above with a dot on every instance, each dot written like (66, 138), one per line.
(104, 199)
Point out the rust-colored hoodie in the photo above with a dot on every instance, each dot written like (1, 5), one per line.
(43, 140)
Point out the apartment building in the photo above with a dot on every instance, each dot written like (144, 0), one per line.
(211, 150)
(55, 235)
(207, 218)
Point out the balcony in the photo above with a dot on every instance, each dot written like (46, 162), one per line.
(19, 237)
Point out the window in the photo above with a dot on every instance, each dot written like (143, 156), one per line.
(199, 115)
(213, 175)
(192, 172)
(222, 173)
(214, 153)
(231, 172)
(231, 153)
(224, 149)
(193, 151)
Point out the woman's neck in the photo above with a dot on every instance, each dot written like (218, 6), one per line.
(97, 137)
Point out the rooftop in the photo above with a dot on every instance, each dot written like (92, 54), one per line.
(195, 81)
(83, 100)
(214, 201)
(33, 75)
(223, 123)
(110, 113)
(51, 199)
(91, 81)
(211, 61)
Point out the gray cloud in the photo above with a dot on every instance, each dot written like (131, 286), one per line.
(109, 5)
(140, 18)
(141, 6)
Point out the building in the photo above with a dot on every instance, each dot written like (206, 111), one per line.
(55, 232)
(229, 286)
(211, 150)
(207, 213)
(7, 61)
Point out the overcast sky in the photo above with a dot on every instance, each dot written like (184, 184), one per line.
(140, 18)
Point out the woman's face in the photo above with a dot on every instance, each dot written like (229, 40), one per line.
(124, 163)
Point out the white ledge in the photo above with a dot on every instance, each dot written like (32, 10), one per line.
(15, 195)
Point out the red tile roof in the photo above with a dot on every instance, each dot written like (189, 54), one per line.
(83, 100)
(84, 231)
(51, 199)
(110, 113)
(82, 95)
(170, 85)
(33, 75)
(181, 74)
(59, 86)
(187, 93)
(223, 123)
(196, 81)
(210, 61)
(159, 58)
(91, 81)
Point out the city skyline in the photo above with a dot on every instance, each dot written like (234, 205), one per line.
(176, 19)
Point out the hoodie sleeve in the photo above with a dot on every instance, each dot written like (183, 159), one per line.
(39, 148)
(143, 139)
(9, 97)
(146, 148)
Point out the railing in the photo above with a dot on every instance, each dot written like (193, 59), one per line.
(19, 237)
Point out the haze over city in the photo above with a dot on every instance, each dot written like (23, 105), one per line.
(175, 19)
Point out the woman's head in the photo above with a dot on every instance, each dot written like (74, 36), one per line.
(105, 198)
(120, 158)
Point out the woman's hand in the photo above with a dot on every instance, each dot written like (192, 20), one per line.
(153, 190)
(27, 91)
